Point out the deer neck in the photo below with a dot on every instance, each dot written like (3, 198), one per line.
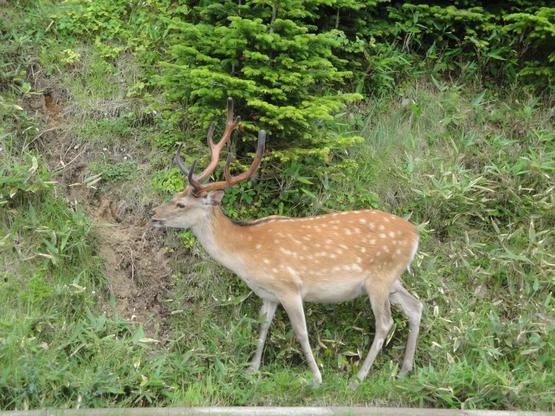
(222, 239)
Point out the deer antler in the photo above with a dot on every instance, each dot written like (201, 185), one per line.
(215, 149)
(179, 162)
(229, 181)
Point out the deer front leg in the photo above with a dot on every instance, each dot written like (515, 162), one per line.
(293, 305)
(267, 312)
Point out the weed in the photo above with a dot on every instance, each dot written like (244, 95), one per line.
(115, 171)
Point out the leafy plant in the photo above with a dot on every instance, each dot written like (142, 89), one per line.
(115, 171)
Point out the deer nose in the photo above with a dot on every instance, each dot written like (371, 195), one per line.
(157, 222)
(154, 217)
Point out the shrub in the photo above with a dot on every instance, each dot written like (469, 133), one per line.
(497, 44)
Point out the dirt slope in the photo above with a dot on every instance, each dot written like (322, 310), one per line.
(136, 262)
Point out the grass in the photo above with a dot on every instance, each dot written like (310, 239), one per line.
(475, 169)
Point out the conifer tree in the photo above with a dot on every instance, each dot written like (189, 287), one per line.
(280, 69)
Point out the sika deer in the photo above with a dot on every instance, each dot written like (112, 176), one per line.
(329, 258)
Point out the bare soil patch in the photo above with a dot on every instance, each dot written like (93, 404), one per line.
(136, 262)
(136, 265)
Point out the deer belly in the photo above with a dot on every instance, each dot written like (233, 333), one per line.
(260, 291)
(333, 291)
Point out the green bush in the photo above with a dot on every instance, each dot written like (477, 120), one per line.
(496, 44)
(535, 39)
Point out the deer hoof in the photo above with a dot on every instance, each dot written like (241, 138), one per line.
(316, 384)
(404, 372)
(353, 385)
(251, 369)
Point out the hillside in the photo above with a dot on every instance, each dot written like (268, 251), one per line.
(99, 309)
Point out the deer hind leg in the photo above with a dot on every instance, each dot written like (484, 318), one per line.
(294, 307)
(267, 312)
(382, 314)
(412, 309)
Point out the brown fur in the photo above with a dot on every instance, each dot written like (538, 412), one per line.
(326, 259)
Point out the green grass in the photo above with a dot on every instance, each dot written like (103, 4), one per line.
(475, 169)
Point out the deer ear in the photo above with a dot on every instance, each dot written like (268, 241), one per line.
(215, 197)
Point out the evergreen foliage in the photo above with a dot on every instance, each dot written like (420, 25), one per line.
(495, 43)
(282, 72)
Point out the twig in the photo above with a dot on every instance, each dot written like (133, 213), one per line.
(65, 165)
(38, 136)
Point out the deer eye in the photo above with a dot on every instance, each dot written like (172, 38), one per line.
(180, 205)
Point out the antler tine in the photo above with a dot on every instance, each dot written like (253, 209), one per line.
(229, 110)
(196, 185)
(215, 149)
(227, 175)
(255, 163)
(233, 180)
(189, 173)
(210, 134)
(179, 162)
